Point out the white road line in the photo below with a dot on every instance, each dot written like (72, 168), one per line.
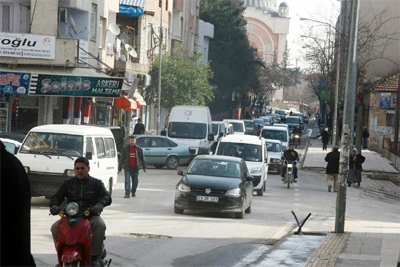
(253, 256)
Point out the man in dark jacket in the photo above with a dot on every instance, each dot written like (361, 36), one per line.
(15, 212)
(332, 168)
(132, 159)
(139, 127)
(291, 156)
(91, 194)
(213, 147)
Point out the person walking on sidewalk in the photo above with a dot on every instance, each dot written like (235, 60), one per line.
(355, 168)
(332, 168)
(365, 136)
(139, 127)
(325, 139)
(132, 159)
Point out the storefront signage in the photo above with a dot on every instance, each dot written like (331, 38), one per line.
(80, 86)
(27, 45)
(14, 82)
(385, 100)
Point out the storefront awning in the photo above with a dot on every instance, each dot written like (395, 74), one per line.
(135, 3)
(125, 103)
(139, 100)
(132, 8)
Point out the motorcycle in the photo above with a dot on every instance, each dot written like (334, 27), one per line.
(289, 176)
(74, 238)
(297, 140)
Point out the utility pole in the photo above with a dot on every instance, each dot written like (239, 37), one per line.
(397, 122)
(348, 118)
(159, 72)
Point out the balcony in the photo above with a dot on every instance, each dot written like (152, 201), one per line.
(131, 66)
(66, 54)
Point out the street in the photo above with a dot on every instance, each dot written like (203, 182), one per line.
(144, 231)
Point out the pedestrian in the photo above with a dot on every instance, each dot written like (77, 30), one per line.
(332, 168)
(139, 127)
(365, 136)
(325, 139)
(132, 159)
(355, 168)
(213, 147)
(15, 212)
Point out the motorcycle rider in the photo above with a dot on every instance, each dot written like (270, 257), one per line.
(91, 194)
(291, 156)
(297, 131)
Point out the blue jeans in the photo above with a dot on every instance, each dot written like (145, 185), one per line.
(134, 174)
(365, 142)
(283, 173)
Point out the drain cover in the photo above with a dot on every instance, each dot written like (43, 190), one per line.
(144, 235)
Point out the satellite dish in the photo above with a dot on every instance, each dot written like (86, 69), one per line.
(114, 29)
(72, 24)
(131, 50)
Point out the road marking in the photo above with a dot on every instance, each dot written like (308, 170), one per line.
(253, 256)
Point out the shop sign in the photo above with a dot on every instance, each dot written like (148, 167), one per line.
(79, 86)
(14, 82)
(27, 45)
(385, 100)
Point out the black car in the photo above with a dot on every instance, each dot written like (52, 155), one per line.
(292, 122)
(14, 136)
(215, 183)
(250, 127)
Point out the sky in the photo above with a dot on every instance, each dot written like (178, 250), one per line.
(321, 10)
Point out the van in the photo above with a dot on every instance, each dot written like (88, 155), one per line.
(276, 133)
(192, 126)
(242, 146)
(223, 127)
(238, 126)
(48, 154)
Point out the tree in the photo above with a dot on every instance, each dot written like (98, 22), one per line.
(184, 81)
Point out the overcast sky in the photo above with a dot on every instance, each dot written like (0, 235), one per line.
(322, 10)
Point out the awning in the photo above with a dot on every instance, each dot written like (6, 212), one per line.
(132, 8)
(135, 3)
(125, 103)
(139, 99)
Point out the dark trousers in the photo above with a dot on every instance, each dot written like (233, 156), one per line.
(324, 146)
(365, 142)
(131, 173)
(283, 174)
(98, 232)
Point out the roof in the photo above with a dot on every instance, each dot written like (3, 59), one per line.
(387, 84)
(246, 139)
(228, 158)
(232, 120)
(72, 129)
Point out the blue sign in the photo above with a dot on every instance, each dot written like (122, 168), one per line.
(385, 100)
(14, 83)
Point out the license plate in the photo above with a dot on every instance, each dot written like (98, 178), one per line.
(206, 199)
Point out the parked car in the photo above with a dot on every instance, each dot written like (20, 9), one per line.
(14, 136)
(215, 183)
(252, 149)
(12, 146)
(238, 126)
(162, 151)
(250, 127)
(274, 148)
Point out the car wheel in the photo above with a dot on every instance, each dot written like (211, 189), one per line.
(248, 210)
(260, 192)
(172, 162)
(240, 215)
(159, 166)
(178, 211)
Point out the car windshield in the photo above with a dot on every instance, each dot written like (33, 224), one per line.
(259, 121)
(237, 126)
(274, 134)
(248, 124)
(215, 167)
(248, 152)
(266, 119)
(274, 147)
(292, 120)
(187, 130)
(280, 112)
(53, 144)
(214, 129)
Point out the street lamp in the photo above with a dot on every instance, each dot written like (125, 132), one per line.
(159, 72)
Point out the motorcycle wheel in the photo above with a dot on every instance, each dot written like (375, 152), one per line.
(72, 264)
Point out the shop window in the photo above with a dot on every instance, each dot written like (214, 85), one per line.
(101, 151)
(6, 17)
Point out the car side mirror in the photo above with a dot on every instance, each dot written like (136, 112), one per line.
(89, 155)
(16, 150)
(249, 178)
(163, 133)
(210, 137)
(180, 173)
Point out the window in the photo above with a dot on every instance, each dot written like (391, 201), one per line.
(157, 142)
(248, 152)
(187, 130)
(62, 15)
(93, 22)
(6, 17)
(169, 143)
(143, 142)
(101, 152)
(102, 32)
(89, 145)
(110, 147)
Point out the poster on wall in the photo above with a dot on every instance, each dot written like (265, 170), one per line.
(385, 100)
(14, 82)
(75, 86)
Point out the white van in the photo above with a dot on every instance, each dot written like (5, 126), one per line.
(276, 133)
(242, 146)
(48, 154)
(191, 125)
(223, 127)
(238, 126)
(274, 148)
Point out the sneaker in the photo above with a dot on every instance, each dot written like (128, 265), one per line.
(126, 196)
(329, 188)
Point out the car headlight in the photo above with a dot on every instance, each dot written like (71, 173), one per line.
(183, 188)
(275, 160)
(72, 208)
(297, 136)
(256, 170)
(70, 173)
(27, 169)
(233, 192)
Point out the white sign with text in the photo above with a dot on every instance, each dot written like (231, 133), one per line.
(27, 45)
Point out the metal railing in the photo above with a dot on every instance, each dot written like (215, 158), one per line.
(393, 158)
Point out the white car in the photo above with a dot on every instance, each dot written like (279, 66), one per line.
(276, 133)
(12, 146)
(238, 126)
(274, 148)
(254, 151)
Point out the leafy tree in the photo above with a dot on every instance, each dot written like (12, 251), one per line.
(184, 81)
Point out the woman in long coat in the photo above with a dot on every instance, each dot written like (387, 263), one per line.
(325, 139)
(355, 167)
